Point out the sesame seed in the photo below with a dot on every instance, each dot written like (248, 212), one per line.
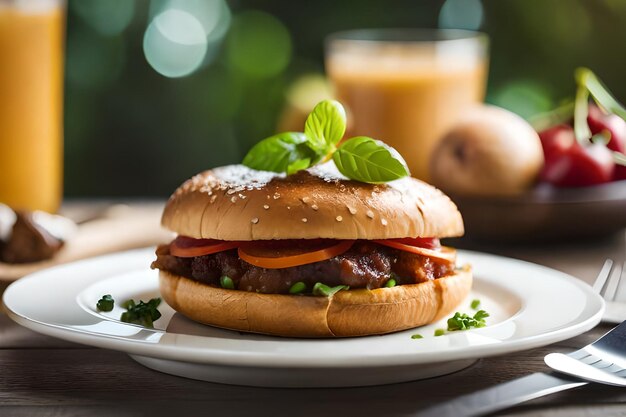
(276, 196)
(304, 220)
(255, 220)
(266, 207)
(242, 196)
(339, 218)
(352, 210)
(213, 197)
(384, 222)
(314, 207)
(370, 214)
(231, 191)
(233, 199)
(305, 200)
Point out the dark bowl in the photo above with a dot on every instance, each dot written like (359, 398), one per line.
(546, 213)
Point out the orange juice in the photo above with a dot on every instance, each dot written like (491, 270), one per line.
(31, 66)
(406, 94)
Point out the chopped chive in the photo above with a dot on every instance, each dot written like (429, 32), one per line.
(105, 303)
(143, 313)
(440, 332)
(475, 304)
(390, 283)
(481, 315)
(297, 288)
(417, 336)
(323, 290)
(227, 282)
(461, 321)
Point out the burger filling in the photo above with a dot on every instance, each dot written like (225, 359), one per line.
(362, 264)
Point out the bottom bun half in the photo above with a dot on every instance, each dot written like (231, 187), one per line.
(358, 312)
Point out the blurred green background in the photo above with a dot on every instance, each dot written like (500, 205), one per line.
(156, 91)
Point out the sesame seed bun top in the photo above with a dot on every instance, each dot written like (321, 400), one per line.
(238, 203)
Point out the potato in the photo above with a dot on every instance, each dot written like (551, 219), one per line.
(490, 151)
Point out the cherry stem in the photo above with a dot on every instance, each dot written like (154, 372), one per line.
(601, 95)
(589, 83)
(581, 111)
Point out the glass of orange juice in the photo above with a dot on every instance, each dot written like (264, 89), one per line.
(406, 87)
(31, 87)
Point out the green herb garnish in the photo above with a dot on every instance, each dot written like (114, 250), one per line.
(417, 336)
(325, 126)
(143, 313)
(227, 282)
(360, 158)
(297, 288)
(367, 160)
(440, 332)
(323, 290)
(106, 303)
(391, 283)
(461, 321)
(475, 304)
(286, 152)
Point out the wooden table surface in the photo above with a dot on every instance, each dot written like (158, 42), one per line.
(43, 376)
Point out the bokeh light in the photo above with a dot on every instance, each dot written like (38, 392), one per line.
(175, 43)
(94, 62)
(214, 15)
(461, 14)
(107, 18)
(259, 45)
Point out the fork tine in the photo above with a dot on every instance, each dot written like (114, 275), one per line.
(602, 276)
(620, 294)
(611, 286)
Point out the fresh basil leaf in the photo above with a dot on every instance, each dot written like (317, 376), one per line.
(325, 126)
(298, 165)
(368, 160)
(286, 152)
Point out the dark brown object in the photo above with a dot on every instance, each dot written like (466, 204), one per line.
(29, 241)
(546, 213)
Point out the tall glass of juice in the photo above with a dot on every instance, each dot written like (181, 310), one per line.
(31, 80)
(407, 86)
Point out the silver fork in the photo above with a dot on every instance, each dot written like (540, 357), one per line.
(612, 288)
(601, 361)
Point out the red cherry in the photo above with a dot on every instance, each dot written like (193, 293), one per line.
(599, 121)
(556, 140)
(580, 166)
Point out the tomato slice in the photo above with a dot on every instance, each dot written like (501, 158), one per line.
(422, 242)
(408, 245)
(187, 247)
(285, 254)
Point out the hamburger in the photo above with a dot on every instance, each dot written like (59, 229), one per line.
(312, 254)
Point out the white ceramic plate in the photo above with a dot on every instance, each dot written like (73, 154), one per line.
(530, 306)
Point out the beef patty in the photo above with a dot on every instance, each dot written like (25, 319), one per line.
(365, 265)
